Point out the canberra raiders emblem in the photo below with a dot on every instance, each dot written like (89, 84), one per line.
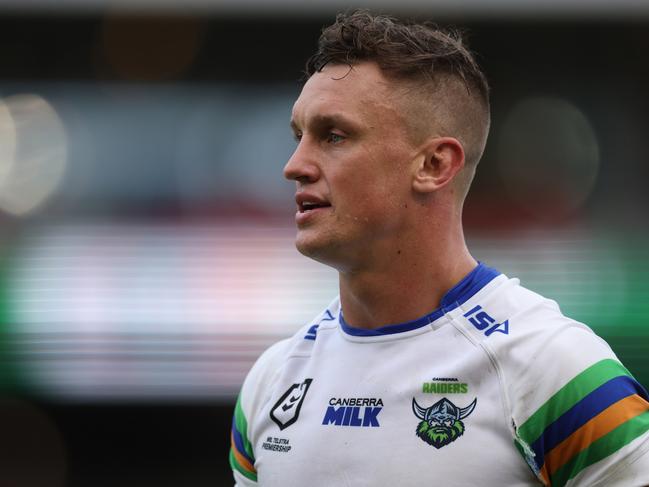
(287, 409)
(442, 422)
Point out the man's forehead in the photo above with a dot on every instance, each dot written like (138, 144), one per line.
(335, 75)
(339, 89)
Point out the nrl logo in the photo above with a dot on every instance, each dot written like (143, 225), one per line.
(287, 409)
(442, 422)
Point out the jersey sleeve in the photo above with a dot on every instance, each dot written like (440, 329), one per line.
(242, 458)
(251, 397)
(580, 417)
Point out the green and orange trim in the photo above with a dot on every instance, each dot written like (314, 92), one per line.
(594, 415)
(242, 458)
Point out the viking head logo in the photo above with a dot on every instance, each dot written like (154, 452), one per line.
(442, 422)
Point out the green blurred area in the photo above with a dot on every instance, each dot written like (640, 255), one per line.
(12, 379)
(605, 286)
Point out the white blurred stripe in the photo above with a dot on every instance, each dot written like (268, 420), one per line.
(173, 312)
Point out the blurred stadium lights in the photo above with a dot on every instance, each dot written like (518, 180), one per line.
(578, 9)
(33, 162)
(7, 142)
(169, 312)
(164, 262)
(179, 312)
(192, 145)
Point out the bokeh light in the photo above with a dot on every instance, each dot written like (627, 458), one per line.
(34, 160)
(548, 156)
(7, 141)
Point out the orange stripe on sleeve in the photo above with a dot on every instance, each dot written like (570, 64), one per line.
(243, 461)
(545, 475)
(602, 424)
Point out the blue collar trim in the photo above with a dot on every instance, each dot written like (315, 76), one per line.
(456, 296)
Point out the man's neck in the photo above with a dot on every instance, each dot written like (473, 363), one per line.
(403, 290)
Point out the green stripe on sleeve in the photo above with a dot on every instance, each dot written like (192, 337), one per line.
(235, 466)
(601, 448)
(569, 395)
(242, 427)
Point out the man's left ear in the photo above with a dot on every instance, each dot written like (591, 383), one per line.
(441, 159)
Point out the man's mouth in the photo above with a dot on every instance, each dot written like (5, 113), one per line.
(309, 206)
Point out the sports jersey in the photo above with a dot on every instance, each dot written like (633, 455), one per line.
(494, 388)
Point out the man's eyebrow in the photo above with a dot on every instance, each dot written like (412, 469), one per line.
(326, 120)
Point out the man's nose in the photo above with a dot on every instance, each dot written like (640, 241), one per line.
(302, 166)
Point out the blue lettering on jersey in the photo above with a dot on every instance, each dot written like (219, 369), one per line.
(313, 330)
(352, 416)
(485, 323)
(311, 334)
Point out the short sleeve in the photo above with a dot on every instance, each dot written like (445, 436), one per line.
(242, 459)
(251, 399)
(582, 416)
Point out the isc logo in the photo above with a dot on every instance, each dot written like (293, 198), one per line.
(485, 323)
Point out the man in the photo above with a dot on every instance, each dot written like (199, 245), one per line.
(431, 368)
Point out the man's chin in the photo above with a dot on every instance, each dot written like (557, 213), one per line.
(309, 246)
(341, 252)
(317, 248)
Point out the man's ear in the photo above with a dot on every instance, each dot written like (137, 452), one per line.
(441, 158)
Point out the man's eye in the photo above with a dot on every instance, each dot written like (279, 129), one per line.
(335, 138)
(297, 136)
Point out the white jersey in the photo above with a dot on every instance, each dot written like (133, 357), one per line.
(495, 388)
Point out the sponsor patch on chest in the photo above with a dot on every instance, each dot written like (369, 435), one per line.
(353, 411)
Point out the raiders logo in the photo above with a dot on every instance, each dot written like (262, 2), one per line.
(441, 423)
(286, 411)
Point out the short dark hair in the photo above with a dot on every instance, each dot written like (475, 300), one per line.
(400, 48)
(435, 59)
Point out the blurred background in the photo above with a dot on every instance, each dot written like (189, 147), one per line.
(146, 254)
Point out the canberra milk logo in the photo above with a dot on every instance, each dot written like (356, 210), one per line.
(441, 423)
(353, 411)
(287, 409)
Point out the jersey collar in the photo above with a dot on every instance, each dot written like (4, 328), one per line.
(475, 280)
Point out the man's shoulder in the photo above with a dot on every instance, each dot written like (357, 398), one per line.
(569, 396)
(538, 338)
(504, 313)
(539, 331)
(275, 358)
